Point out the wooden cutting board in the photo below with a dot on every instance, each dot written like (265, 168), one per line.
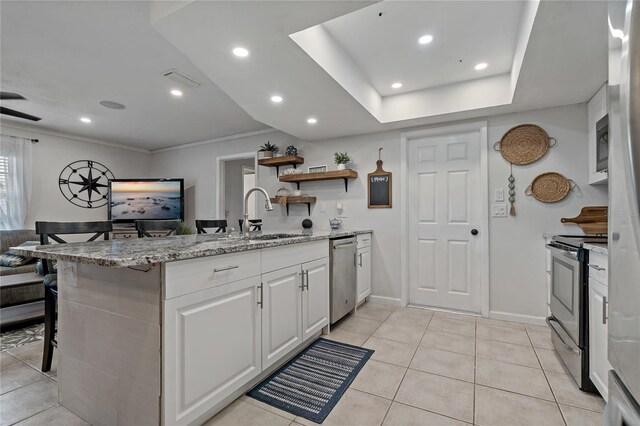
(592, 219)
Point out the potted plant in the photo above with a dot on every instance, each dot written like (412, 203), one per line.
(268, 150)
(342, 159)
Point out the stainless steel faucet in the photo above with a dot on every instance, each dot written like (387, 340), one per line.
(268, 206)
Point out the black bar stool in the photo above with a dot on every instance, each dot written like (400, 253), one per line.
(221, 224)
(171, 227)
(52, 231)
(255, 224)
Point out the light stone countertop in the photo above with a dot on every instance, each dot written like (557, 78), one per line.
(143, 251)
(597, 247)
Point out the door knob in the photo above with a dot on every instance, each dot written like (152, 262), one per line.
(474, 231)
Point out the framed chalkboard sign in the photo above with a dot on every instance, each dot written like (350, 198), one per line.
(379, 185)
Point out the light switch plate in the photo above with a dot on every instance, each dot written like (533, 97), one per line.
(499, 210)
(499, 195)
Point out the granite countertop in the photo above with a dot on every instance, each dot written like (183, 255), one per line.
(142, 251)
(597, 247)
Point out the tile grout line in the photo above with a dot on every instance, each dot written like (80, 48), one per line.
(40, 412)
(547, 379)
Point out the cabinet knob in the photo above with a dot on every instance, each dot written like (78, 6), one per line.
(474, 231)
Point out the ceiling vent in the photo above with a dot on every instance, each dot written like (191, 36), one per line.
(181, 78)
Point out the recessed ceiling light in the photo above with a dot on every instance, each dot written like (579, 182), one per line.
(241, 52)
(396, 85)
(111, 105)
(85, 119)
(481, 66)
(276, 99)
(425, 39)
(177, 93)
(312, 120)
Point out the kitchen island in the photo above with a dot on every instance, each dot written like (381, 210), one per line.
(170, 330)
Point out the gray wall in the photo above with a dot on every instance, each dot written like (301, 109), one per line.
(234, 189)
(517, 266)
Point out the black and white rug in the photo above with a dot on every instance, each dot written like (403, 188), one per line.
(313, 382)
(23, 336)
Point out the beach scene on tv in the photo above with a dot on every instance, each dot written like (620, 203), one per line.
(145, 200)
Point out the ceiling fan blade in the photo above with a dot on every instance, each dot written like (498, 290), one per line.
(18, 114)
(10, 96)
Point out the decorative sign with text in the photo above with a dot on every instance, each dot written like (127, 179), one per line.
(379, 184)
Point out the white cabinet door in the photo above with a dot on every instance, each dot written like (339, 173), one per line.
(281, 313)
(211, 347)
(364, 273)
(598, 361)
(315, 296)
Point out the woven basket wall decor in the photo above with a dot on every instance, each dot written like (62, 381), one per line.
(524, 144)
(550, 187)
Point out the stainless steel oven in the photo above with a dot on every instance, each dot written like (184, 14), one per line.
(569, 305)
(566, 289)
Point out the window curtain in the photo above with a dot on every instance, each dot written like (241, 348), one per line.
(15, 181)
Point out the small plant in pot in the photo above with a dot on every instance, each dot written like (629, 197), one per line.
(342, 159)
(268, 150)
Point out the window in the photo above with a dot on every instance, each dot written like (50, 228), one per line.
(15, 181)
(4, 182)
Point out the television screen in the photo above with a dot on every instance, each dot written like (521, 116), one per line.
(133, 199)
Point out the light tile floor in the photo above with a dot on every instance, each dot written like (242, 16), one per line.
(429, 368)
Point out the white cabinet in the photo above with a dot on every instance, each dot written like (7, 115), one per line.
(596, 109)
(363, 263)
(212, 347)
(315, 297)
(228, 318)
(281, 313)
(598, 361)
(364, 273)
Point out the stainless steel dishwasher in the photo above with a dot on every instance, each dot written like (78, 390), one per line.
(343, 287)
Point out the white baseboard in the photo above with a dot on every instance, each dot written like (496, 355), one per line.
(386, 300)
(527, 319)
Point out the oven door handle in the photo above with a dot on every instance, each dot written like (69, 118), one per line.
(562, 253)
(548, 320)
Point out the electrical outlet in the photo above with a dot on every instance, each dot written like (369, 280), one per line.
(322, 207)
(499, 195)
(499, 210)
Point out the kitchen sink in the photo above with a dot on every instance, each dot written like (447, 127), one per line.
(274, 236)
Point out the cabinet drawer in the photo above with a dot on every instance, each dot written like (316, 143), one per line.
(598, 267)
(364, 240)
(187, 276)
(282, 257)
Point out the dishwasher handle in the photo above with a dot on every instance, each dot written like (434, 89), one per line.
(341, 246)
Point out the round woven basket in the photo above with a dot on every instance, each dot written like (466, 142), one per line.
(524, 144)
(550, 187)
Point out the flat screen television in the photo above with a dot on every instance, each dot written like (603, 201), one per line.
(135, 199)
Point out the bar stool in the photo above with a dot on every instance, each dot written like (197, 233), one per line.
(221, 224)
(171, 227)
(52, 231)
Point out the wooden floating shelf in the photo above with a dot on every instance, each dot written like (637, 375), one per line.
(312, 177)
(289, 160)
(296, 200)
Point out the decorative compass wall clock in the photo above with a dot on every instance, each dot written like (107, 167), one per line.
(85, 183)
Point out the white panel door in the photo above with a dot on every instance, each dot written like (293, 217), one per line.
(211, 344)
(364, 273)
(445, 205)
(281, 313)
(315, 296)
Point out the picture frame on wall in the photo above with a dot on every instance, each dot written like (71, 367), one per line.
(317, 169)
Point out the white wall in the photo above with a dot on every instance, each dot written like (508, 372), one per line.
(234, 189)
(517, 269)
(52, 154)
